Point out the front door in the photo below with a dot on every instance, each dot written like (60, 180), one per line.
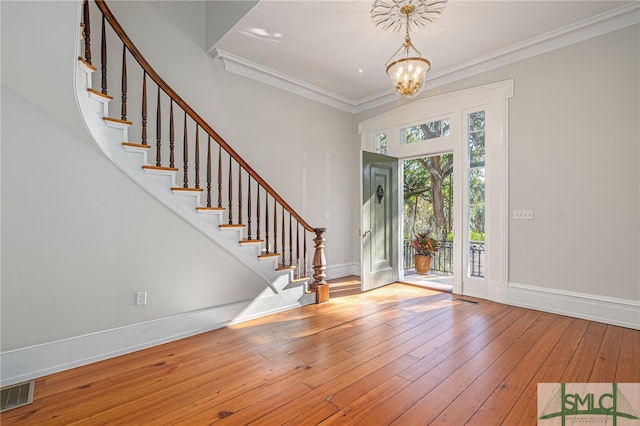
(379, 220)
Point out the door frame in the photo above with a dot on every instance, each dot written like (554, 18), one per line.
(457, 216)
(493, 99)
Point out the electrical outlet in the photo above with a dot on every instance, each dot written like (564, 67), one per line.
(523, 214)
(141, 298)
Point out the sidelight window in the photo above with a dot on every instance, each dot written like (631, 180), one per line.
(476, 190)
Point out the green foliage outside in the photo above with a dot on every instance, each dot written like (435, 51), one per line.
(419, 213)
(428, 184)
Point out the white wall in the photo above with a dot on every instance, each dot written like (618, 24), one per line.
(305, 150)
(574, 159)
(79, 238)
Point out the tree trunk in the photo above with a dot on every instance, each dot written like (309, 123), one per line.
(438, 204)
(433, 164)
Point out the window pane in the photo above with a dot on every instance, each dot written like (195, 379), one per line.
(476, 121)
(423, 132)
(476, 149)
(476, 222)
(381, 143)
(476, 186)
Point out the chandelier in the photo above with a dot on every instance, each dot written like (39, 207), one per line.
(406, 67)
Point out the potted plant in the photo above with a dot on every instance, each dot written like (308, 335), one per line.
(425, 246)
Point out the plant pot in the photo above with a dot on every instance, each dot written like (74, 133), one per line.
(422, 264)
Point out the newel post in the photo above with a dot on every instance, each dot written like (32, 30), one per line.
(319, 267)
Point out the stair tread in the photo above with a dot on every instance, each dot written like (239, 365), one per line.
(136, 145)
(210, 208)
(251, 241)
(117, 120)
(231, 225)
(97, 93)
(286, 267)
(169, 169)
(265, 256)
(87, 64)
(187, 189)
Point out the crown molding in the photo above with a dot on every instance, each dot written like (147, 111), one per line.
(598, 25)
(604, 23)
(246, 68)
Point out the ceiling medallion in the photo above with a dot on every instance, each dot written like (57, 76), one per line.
(388, 15)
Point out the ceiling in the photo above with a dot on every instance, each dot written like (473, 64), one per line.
(333, 49)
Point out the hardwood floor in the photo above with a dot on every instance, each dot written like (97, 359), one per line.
(398, 355)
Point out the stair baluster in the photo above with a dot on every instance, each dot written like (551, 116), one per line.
(197, 158)
(290, 243)
(230, 194)
(123, 85)
(304, 256)
(266, 222)
(219, 177)
(209, 172)
(298, 271)
(275, 227)
(257, 212)
(185, 155)
(158, 132)
(249, 233)
(103, 57)
(283, 243)
(86, 31)
(239, 194)
(144, 108)
(172, 141)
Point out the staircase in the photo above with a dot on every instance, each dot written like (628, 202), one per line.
(192, 170)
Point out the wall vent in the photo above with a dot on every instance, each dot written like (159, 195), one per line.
(15, 396)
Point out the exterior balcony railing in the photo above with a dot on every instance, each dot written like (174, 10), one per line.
(442, 262)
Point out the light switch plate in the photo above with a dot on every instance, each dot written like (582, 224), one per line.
(523, 214)
(141, 298)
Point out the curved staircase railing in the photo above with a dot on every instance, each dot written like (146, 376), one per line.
(265, 216)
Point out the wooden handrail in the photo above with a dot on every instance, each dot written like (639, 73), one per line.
(151, 73)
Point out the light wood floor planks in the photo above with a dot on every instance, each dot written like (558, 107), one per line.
(398, 355)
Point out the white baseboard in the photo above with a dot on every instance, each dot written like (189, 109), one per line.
(31, 362)
(342, 270)
(40, 360)
(609, 310)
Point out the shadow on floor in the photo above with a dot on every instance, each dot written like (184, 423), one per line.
(345, 286)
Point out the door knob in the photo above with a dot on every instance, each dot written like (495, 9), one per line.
(368, 231)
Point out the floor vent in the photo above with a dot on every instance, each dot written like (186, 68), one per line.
(467, 300)
(16, 395)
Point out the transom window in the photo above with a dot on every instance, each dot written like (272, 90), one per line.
(425, 131)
